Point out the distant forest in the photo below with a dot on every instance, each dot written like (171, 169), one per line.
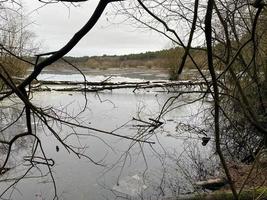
(166, 59)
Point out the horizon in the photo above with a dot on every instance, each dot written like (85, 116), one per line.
(110, 36)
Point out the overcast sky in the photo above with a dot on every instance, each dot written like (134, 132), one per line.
(54, 24)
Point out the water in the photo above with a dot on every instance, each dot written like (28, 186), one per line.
(129, 169)
(132, 73)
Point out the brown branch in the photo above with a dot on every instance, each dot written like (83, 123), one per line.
(208, 35)
(176, 35)
(72, 42)
(188, 47)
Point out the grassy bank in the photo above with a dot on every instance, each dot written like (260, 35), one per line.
(252, 194)
(259, 194)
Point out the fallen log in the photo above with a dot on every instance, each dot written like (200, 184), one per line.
(167, 88)
(86, 86)
(100, 86)
(212, 184)
(106, 83)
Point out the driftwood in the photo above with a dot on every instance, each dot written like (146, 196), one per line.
(212, 184)
(102, 83)
(81, 86)
(100, 86)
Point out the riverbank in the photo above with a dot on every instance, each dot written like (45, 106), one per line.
(250, 179)
(257, 193)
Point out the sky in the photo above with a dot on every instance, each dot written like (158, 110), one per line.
(54, 24)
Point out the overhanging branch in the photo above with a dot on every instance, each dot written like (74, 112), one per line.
(72, 42)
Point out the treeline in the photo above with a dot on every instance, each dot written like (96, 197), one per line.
(140, 56)
(149, 55)
(166, 59)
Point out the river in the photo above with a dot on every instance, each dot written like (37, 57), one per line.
(130, 170)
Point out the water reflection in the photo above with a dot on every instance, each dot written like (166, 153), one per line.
(12, 123)
(130, 169)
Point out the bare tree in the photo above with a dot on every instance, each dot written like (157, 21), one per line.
(236, 78)
(236, 60)
(12, 46)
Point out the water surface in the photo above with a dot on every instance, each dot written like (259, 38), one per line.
(129, 169)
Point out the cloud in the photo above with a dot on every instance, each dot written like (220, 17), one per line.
(55, 24)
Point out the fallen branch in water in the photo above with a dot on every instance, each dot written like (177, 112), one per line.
(100, 86)
(167, 83)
